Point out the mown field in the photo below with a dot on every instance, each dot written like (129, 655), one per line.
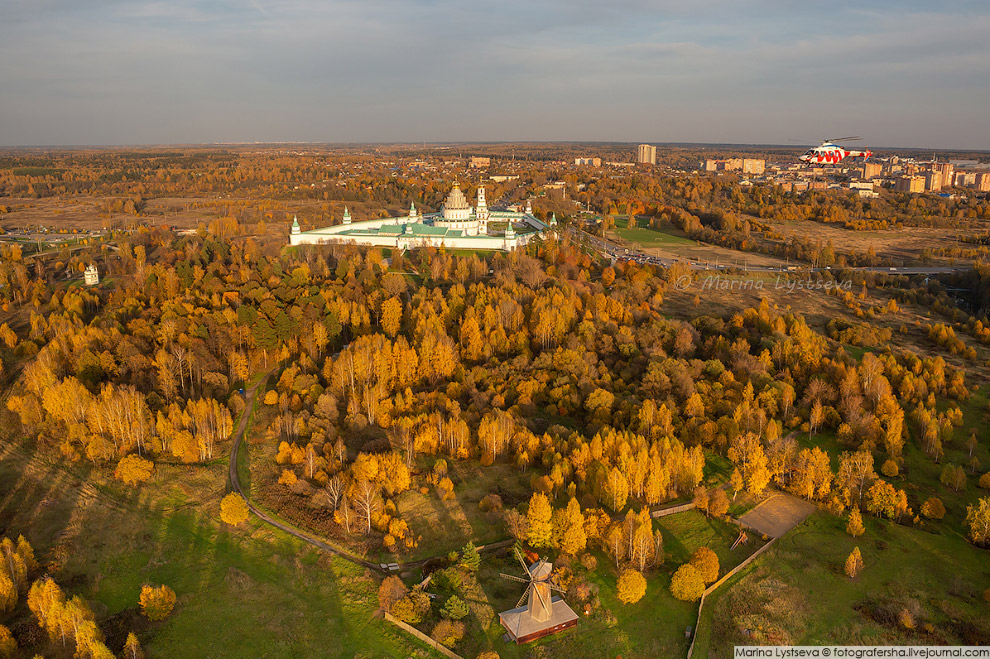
(797, 592)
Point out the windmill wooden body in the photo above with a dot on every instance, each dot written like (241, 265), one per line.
(544, 613)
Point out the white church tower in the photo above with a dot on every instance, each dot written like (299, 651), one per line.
(481, 210)
(347, 216)
(295, 226)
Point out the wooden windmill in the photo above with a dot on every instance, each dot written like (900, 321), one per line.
(544, 613)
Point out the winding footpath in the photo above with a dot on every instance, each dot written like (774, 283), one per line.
(235, 484)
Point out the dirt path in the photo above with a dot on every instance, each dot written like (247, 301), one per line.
(264, 516)
(777, 515)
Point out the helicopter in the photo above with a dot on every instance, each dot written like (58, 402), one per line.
(831, 154)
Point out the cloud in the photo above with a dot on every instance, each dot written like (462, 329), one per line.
(131, 71)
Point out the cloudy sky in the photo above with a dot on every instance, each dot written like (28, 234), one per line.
(899, 73)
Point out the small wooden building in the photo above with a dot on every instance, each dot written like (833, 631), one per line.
(523, 627)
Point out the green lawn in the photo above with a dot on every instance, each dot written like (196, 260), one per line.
(685, 532)
(647, 237)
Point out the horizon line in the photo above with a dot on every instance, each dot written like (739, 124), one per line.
(423, 144)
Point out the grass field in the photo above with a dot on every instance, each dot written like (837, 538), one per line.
(797, 593)
(447, 526)
(247, 592)
(647, 237)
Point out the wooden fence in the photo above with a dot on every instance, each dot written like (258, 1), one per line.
(663, 512)
(442, 649)
(728, 575)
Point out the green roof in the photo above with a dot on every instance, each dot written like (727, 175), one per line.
(426, 230)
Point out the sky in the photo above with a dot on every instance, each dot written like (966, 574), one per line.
(94, 72)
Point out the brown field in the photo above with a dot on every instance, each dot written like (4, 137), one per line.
(902, 245)
(701, 252)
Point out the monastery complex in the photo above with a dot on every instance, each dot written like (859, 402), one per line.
(457, 225)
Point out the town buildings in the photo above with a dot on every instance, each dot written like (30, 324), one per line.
(744, 165)
(914, 184)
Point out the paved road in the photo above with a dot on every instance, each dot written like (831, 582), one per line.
(613, 250)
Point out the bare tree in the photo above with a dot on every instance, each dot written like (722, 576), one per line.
(366, 501)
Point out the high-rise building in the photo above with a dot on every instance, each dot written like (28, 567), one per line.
(933, 181)
(753, 166)
(871, 170)
(594, 162)
(965, 179)
(909, 184)
(646, 154)
(983, 182)
(946, 172)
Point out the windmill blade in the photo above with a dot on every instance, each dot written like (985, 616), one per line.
(524, 596)
(521, 562)
(511, 577)
(554, 586)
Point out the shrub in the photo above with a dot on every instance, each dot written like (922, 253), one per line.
(706, 562)
(133, 469)
(589, 562)
(455, 608)
(890, 468)
(490, 503)
(233, 509)
(448, 632)
(687, 584)
(933, 508)
(391, 591)
(157, 603)
(631, 586)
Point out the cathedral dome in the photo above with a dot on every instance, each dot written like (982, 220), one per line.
(456, 206)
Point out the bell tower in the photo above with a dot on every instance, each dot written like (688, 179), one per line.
(481, 210)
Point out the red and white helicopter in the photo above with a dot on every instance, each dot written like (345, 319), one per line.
(829, 153)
